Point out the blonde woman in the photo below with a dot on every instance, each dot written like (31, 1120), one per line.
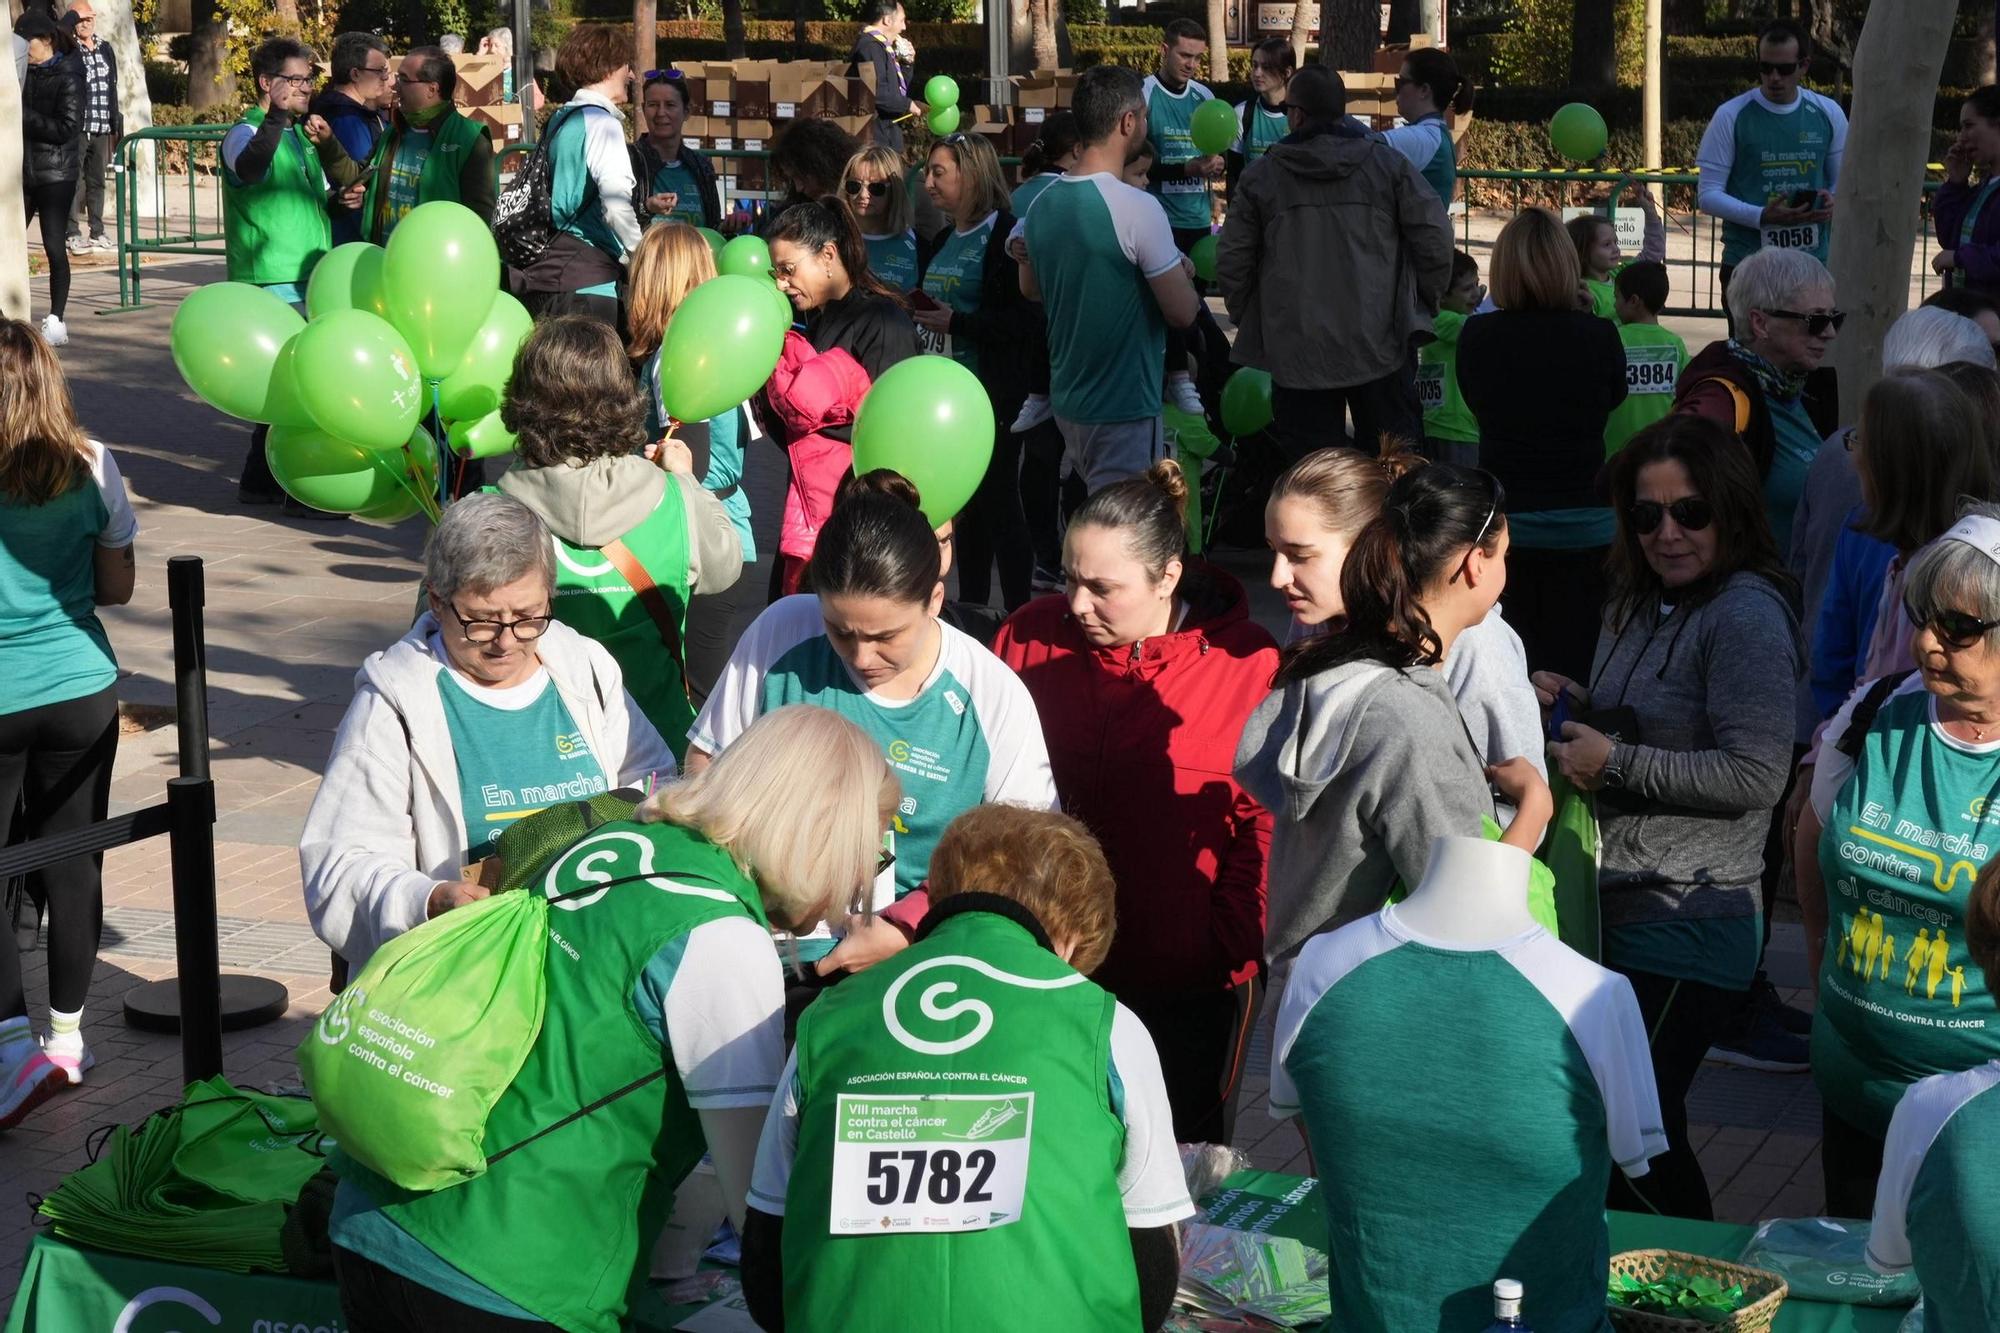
(68, 551)
(874, 187)
(672, 261)
(664, 1022)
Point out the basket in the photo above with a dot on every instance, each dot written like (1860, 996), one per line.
(1763, 1293)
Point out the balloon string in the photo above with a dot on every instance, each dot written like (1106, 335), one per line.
(443, 473)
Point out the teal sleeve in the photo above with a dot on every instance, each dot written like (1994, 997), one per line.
(725, 451)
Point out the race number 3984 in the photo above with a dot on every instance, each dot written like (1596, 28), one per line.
(929, 1163)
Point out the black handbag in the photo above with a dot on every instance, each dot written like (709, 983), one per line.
(523, 220)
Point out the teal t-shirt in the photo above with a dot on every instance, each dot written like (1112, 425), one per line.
(674, 179)
(1096, 243)
(893, 258)
(573, 201)
(1778, 153)
(1716, 951)
(1169, 122)
(1509, 1119)
(954, 277)
(406, 174)
(1899, 997)
(1797, 443)
(1654, 359)
(1030, 190)
(1265, 129)
(518, 751)
(1446, 417)
(52, 645)
(1562, 529)
(1935, 1209)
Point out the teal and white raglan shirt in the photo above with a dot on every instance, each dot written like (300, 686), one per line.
(1096, 244)
(1427, 143)
(971, 734)
(1030, 190)
(1170, 123)
(954, 279)
(1935, 1207)
(1755, 153)
(893, 258)
(1509, 1115)
(1259, 129)
(591, 183)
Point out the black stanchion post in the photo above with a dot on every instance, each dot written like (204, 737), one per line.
(185, 598)
(191, 830)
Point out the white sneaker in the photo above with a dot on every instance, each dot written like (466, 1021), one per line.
(104, 243)
(54, 331)
(1033, 413)
(79, 244)
(27, 1079)
(72, 1057)
(1182, 394)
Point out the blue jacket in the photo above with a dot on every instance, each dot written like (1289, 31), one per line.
(357, 128)
(1847, 614)
(1978, 257)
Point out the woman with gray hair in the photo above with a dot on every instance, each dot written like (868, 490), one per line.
(487, 710)
(1767, 383)
(1905, 800)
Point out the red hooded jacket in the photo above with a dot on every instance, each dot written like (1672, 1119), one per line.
(1143, 743)
(815, 396)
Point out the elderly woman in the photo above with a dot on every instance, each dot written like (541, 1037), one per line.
(1761, 383)
(1898, 826)
(633, 542)
(485, 711)
(1685, 733)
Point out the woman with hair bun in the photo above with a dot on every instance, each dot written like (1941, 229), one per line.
(1143, 675)
(1429, 90)
(1360, 752)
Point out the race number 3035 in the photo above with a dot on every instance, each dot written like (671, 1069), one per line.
(929, 1163)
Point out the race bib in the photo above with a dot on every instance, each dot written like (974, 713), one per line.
(1184, 186)
(933, 341)
(929, 1163)
(1650, 370)
(1792, 236)
(1430, 385)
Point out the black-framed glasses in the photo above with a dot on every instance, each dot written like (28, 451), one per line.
(526, 630)
(296, 80)
(374, 71)
(855, 187)
(1784, 69)
(1691, 513)
(1818, 322)
(1954, 629)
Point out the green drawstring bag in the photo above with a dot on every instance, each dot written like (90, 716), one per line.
(1570, 851)
(1541, 883)
(406, 1064)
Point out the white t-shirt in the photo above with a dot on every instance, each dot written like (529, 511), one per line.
(1833, 769)
(717, 1000)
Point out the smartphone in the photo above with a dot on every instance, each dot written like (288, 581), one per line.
(1559, 715)
(923, 300)
(1802, 199)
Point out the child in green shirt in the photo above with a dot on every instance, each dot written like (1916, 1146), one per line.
(1451, 432)
(1596, 239)
(1654, 356)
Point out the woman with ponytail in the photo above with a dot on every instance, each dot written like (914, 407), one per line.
(1360, 752)
(1429, 91)
(1143, 675)
(820, 261)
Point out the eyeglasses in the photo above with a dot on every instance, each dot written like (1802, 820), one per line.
(1691, 514)
(960, 137)
(373, 71)
(1782, 68)
(408, 78)
(1954, 629)
(1818, 324)
(854, 187)
(296, 80)
(526, 630)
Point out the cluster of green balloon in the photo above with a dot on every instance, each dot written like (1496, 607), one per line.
(724, 340)
(750, 257)
(941, 95)
(1213, 127)
(1577, 132)
(928, 418)
(1246, 401)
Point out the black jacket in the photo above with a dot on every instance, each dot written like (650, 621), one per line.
(1541, 383)
(646, 160)
(892, 90)
(52, 123)
(1006, 326)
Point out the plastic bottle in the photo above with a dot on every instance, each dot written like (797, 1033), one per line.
(1507, 1308)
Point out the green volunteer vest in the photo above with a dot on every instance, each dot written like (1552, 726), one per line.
(1775, 156)
(560, 1226)
(275, 230)
(972, 1158)
(1900, 999)
(452, 139)
(594, 599)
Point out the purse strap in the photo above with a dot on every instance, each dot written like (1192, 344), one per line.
(653, 598)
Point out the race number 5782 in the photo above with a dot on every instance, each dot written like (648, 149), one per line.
(940, 1175)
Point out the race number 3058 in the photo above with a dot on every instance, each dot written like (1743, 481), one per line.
(929, 1163)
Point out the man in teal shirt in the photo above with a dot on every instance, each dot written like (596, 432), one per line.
(430, 152)
(1180, 180)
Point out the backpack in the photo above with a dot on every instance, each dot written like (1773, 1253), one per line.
(524, 215)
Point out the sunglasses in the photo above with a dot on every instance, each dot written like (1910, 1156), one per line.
(660, 75)
(1954, 629)
(1817, 325)
(1691, 514)
(854, 187)
(1782, 68)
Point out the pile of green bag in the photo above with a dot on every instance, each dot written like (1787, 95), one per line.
(207, 1182)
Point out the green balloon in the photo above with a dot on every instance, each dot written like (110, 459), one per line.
(441, 274)
(1202, 253)
(941, 91)
(284, 407)
(1246, 401)
(484, 437)
(226, 338)
(477, 385)
(1577, 132)
(928, 418)
(943, 120)
(348, 277)
(746, 256)
(319, 470)
(358, 379)
(1213, 127)
(721, 346)
(716, 240)
(784, 307)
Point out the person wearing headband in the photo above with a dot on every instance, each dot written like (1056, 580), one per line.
(1902, 818)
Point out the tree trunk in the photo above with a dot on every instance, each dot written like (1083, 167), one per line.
(13, 211)
(1988, 68)
(210, 84)
(287, 14)
(1037, 36)
(1218, 40)
(1902, 46)
(734, 41)
(799, 21)
(1301, 29)
(645, 39)
(1593, 52)
(1405, 17)
(115, 25)
(1350, 32)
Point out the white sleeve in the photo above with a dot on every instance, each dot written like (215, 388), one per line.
(1832, 769)
(610, 163)
(1912, 1129)
(772, 1175)
(1837, 145)
(1623, 1065)
(738, 696)
(1239, 146)
(1313, 973)
(120, 526)
(1150, 1179)
(1715, 160)
(1144, 233)
(1018, 772)
(1419, 143)
(725, 1014)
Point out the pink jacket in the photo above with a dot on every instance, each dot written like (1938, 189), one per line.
(814, 395)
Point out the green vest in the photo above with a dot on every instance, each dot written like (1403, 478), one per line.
(275, 231)
(972, 1158)
(594, 599)
(560, 1226)
(452, 140)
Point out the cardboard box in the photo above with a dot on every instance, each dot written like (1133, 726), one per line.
(700, 127)
(1045, 88)
(827, 96)
(858, 126)
(745, 130)
(753, 89)
(482, 80)
(719, 87)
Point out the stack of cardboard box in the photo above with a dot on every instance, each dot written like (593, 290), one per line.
(742, 104)
(482, 82)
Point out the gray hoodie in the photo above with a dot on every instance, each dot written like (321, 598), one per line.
(590, 504)
(1361, 766)
(1713, 688)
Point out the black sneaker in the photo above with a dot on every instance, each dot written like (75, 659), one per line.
(1760, 1041)
(296, 509)
(247, 495)
(1764, 995)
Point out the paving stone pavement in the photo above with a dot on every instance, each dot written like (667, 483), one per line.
(292, 607)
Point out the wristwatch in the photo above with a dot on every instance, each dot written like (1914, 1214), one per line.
(1614, 766)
